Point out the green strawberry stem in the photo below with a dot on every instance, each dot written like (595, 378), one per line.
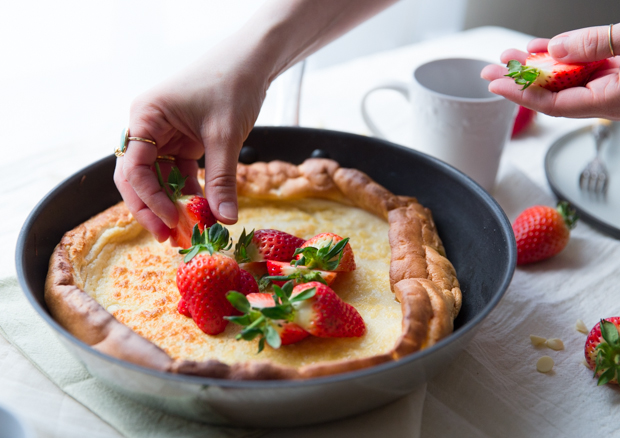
(176, 182)
(258, 322)
(522, 74)
(216, 238)
(320, 258)
(241, 247)
(568, 213)
(608, 356)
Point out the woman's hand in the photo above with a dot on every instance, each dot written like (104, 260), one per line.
(600, 97)
(207, 109)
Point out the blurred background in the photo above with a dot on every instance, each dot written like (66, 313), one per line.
(71, 68)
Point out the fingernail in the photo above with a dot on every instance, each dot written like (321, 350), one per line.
(557, 47)
(228, 210)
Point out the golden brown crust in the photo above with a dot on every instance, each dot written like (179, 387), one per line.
(422, 278)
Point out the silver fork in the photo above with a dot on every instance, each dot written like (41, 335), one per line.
(594, 177)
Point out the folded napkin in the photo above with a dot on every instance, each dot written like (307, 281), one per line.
(22, 327)
(493, 388)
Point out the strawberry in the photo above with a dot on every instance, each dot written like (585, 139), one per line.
(602, 350)
(328, 252)
(247, 283)
(525, 117)
(313, 307)
(542, 70)
(325, 314)
(263, 245)
(204, 277)
(192, 209)
(281, 272)
(542, 231)
(289, 332)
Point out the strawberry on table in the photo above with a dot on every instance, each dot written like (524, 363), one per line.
(192, 209)
(602, 350)
(281, 272)
(312, 307)
(327, 252)
(542, 70)
(204, 278)
(542, 231)
(263, 245)
(247, 283)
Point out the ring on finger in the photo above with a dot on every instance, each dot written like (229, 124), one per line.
(125, 139)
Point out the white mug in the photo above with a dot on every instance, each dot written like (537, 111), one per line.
(455, 117)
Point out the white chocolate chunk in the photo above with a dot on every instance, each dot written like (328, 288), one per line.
(544, 364)
(555, 344)
(537, 340)
(581, 327)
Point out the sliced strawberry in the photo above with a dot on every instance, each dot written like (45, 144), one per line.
(325, 314)
(263, 245)
(602, 350)
(312, 307)
(192, 209)
(327, 252)
(542, 70)
(204, 277)
(281, 272)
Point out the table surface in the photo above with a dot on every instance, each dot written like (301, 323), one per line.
(330, 99)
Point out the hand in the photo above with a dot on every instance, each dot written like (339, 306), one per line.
(208, 109)
(599, 98)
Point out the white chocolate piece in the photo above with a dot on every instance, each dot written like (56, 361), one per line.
(544, 364)
(581, 327)
(537, 340)
(555, 344)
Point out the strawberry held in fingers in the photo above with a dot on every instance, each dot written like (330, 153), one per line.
(602, 350)
(263, 245)
(542, 231)
(204, 278)
(542, 70)
(327, 252)
(281, 272)
(192, 209)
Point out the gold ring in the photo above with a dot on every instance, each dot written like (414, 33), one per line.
(125, 139)
(168, 158)
(611, 46)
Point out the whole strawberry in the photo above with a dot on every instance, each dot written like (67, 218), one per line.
(327, 252)
(205, 277)
(247, 283)
(542, 231)
(602, 350)
(542, 70)
(192, 209)
(263, 245)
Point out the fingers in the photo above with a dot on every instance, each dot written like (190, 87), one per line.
(538, 45)
(136, 170)
(138, 209)
(583, 45)
(513, 54)
(220, 175)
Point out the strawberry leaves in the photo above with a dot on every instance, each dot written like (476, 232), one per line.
(214, 239)
(175, 184)
(321, 258)
(241, 247)
(608, 355)
(522, 74)
(259, 322)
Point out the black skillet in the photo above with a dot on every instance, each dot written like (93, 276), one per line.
(476, 233)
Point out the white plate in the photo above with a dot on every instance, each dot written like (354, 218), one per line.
(564, 162)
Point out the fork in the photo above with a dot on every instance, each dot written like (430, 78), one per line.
(594, 177)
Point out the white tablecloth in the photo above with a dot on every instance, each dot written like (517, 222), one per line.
(492, 388)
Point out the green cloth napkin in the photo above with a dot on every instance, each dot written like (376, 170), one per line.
(30, 334)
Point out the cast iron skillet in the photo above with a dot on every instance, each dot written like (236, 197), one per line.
(476, 233)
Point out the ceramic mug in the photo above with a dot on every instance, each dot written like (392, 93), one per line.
(455, 117)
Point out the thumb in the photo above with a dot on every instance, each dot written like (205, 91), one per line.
(585, 45)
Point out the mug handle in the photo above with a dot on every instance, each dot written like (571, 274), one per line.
(401, 87)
